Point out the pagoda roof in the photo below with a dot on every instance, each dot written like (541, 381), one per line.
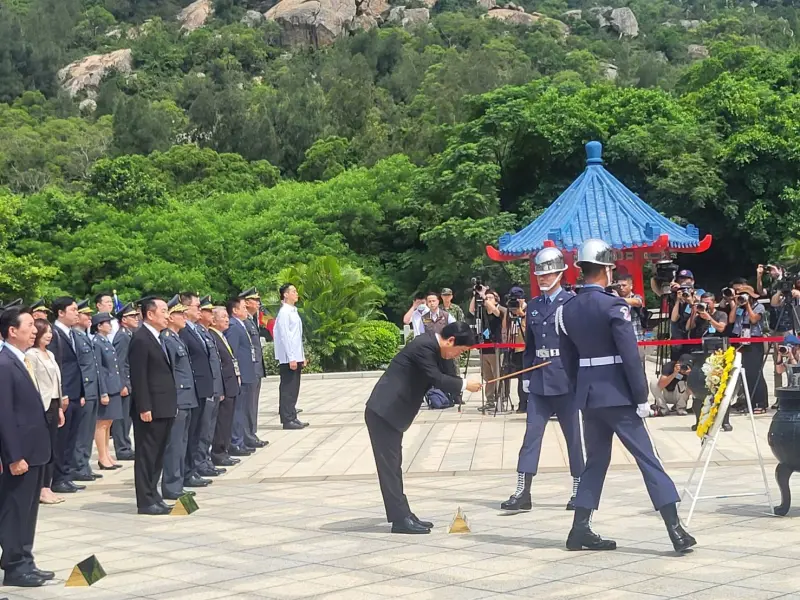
(598, 205)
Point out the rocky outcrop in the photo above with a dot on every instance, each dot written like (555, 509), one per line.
(195, 15)
(409, 17)
(697, 51)
(252, 18)
(573, 15)
(599, 13)
(377, 9)
(513, 16)
(85, 75)
(312, 22)
(691, 24)
(488, 4)
(624, 22)
(610, 71)
(88, 105)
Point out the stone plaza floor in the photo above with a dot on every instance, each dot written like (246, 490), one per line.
(303, 518)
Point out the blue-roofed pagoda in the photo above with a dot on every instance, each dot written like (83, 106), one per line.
(598, 205)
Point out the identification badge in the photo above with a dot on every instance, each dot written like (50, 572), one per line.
(688, 310)
(252, 354)
(739, 312)
(236, 367)
(486, 333)
(711, 329)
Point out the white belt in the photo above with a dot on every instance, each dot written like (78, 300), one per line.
(601, 361)
(547, 353)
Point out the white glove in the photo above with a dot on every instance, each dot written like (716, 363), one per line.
(643, 410)
(526, 386)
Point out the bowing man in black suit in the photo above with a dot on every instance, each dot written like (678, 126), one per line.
(155, 401)
(24, 451)
(396, 400)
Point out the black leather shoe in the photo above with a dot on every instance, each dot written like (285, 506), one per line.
(427, 524)
(581, 536)
(681, 540)
(293, 425)
(409, 525)
(125, 456)
(46, 575)
(30, 579)
(522, 502)
(65, 487)
(211, 472)
(255, 443)
(111, 468)
(571, 504)
(727, 427)
(225, 461)
(197, 482)
(240, 451)
(154, 509)
(82, 477)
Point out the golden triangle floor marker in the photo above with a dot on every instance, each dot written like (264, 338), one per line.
(185, 505)
(459, 524)
(86, 573)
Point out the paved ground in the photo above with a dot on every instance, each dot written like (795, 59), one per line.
(303, 518)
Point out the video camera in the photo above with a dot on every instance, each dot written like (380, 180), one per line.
(614, 287)
(477, 286)
(665, 273)
(513, 298)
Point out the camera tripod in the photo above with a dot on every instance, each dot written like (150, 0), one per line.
(663, 331)
(505, 359)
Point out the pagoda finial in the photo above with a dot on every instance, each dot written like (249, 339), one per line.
(594, 153)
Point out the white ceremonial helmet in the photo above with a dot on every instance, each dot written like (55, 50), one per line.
(549, 260)
(597, 252)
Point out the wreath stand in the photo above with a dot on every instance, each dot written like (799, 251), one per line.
(709, 444)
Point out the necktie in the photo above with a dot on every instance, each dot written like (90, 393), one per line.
(29, 366)
(72, 341)
(546, 300)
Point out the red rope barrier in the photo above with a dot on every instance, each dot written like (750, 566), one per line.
(689, 342)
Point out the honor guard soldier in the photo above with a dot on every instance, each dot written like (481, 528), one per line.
(128, 317)
(252, 301)
(601, 358)
(172, 480)
(39, 310)
(94, 390)
(548, 387)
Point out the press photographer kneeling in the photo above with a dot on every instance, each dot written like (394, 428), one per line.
(672, 388)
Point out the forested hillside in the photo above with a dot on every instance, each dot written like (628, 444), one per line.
(212, 150)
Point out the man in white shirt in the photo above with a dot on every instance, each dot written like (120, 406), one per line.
(289, 353)
(426, 315)
(105, 303)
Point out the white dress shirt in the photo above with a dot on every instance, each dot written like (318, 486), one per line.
(152, 330)
(288, 335)
(67, 331)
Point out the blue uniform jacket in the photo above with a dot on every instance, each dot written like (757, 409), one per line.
(94, 386)
(181, 369)
(541, 335)
(598, 324)
(109, 365)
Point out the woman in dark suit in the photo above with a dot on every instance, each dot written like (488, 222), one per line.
(110, 407)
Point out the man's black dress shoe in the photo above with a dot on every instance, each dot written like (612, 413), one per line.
(154, 509)
(211, 472)
(256, 443)
(727, 427)
(125, 456)
(46, 575)
(522, 502)
(240, 451)
(30, 579)
(409, 525)
(427, 524)
(197, 482)
(571, 504)
(225, 461)
(83, 477)
(293, 425)
(64, 487)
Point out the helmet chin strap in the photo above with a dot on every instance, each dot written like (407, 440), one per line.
(609, 274)
(556, 281)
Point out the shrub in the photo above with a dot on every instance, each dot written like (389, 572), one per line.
(271, 365)
(379, 341)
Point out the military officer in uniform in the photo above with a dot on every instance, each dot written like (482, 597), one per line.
(601, 358)
(128, 317)
(252, 302)
(548, 389)
(172, 479)
(110, 406)
(94, 390)
(40, 310)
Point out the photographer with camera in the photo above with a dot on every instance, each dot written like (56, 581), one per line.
(783, 304)
(624, 289)
(706, 320)
(681, 311)
(746, 317)
(672, 388)
(788, 355)
(493, 318)
(515, 334)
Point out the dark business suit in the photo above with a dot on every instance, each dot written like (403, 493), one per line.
(230, 384)
(121, 428)
(242, 346)
(23, 435)
(153, 391)
(199, 353)
(71, 386)
(392, 406)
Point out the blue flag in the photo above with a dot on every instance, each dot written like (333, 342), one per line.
(117, 303)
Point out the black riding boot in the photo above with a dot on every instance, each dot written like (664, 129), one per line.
(681, 540)
(581, 536)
